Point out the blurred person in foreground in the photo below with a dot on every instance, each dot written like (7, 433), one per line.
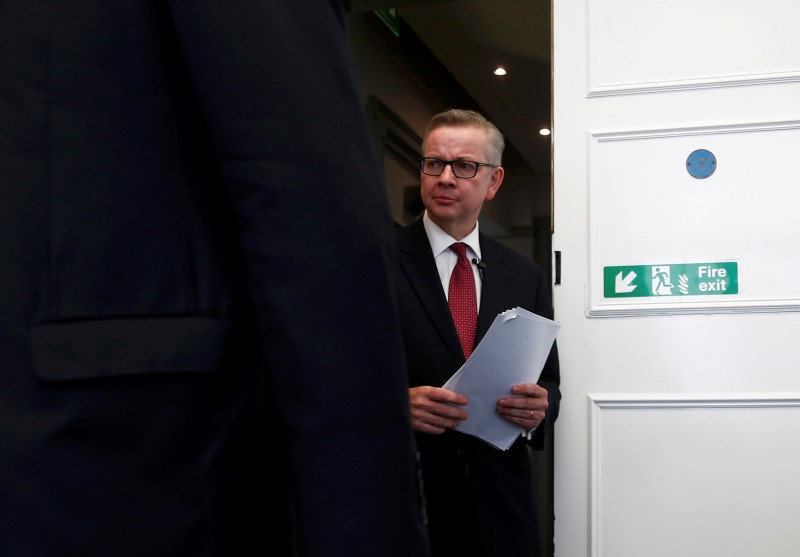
(480, 499)
(195, 283)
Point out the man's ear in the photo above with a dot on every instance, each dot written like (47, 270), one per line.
(494, 182)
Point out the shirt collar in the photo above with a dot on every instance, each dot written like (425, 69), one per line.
(441, 240)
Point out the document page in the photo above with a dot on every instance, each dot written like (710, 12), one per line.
(513, 351)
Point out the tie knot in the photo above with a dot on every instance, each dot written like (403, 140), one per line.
(460, 248)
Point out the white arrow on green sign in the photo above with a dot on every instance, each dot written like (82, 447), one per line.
(671, 279)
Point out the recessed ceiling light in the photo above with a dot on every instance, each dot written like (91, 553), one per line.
(500, 70)
(544, 131)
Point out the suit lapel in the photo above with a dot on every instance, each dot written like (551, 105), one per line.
(417, 262)
(495, 279)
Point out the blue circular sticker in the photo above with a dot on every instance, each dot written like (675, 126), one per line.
(701, 163)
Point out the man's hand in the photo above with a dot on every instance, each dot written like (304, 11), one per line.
(527, 408)
(433, 409)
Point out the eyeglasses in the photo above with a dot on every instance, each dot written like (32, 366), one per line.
(461, 168)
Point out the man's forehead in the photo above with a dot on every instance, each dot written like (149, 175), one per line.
(447, 135)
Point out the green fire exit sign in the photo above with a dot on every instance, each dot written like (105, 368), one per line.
(671, 279)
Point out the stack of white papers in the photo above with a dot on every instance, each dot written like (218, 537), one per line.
(513, 351)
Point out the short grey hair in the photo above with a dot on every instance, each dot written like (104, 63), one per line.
(463, 118)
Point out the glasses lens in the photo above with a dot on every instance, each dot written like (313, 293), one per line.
(465, 169)
(432, 167)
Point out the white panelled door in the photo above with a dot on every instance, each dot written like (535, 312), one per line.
(676, 193)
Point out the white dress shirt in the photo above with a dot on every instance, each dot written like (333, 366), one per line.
(446, 258)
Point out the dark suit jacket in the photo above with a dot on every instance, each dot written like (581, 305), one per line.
(459, 471)
(195, 299)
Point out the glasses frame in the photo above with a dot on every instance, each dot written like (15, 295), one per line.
(477, 164)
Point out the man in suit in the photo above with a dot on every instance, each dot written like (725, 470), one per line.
(480, 500)
(195, 283)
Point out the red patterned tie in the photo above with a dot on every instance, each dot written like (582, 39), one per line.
(462, 299)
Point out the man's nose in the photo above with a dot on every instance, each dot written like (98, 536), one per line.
(447, 174)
